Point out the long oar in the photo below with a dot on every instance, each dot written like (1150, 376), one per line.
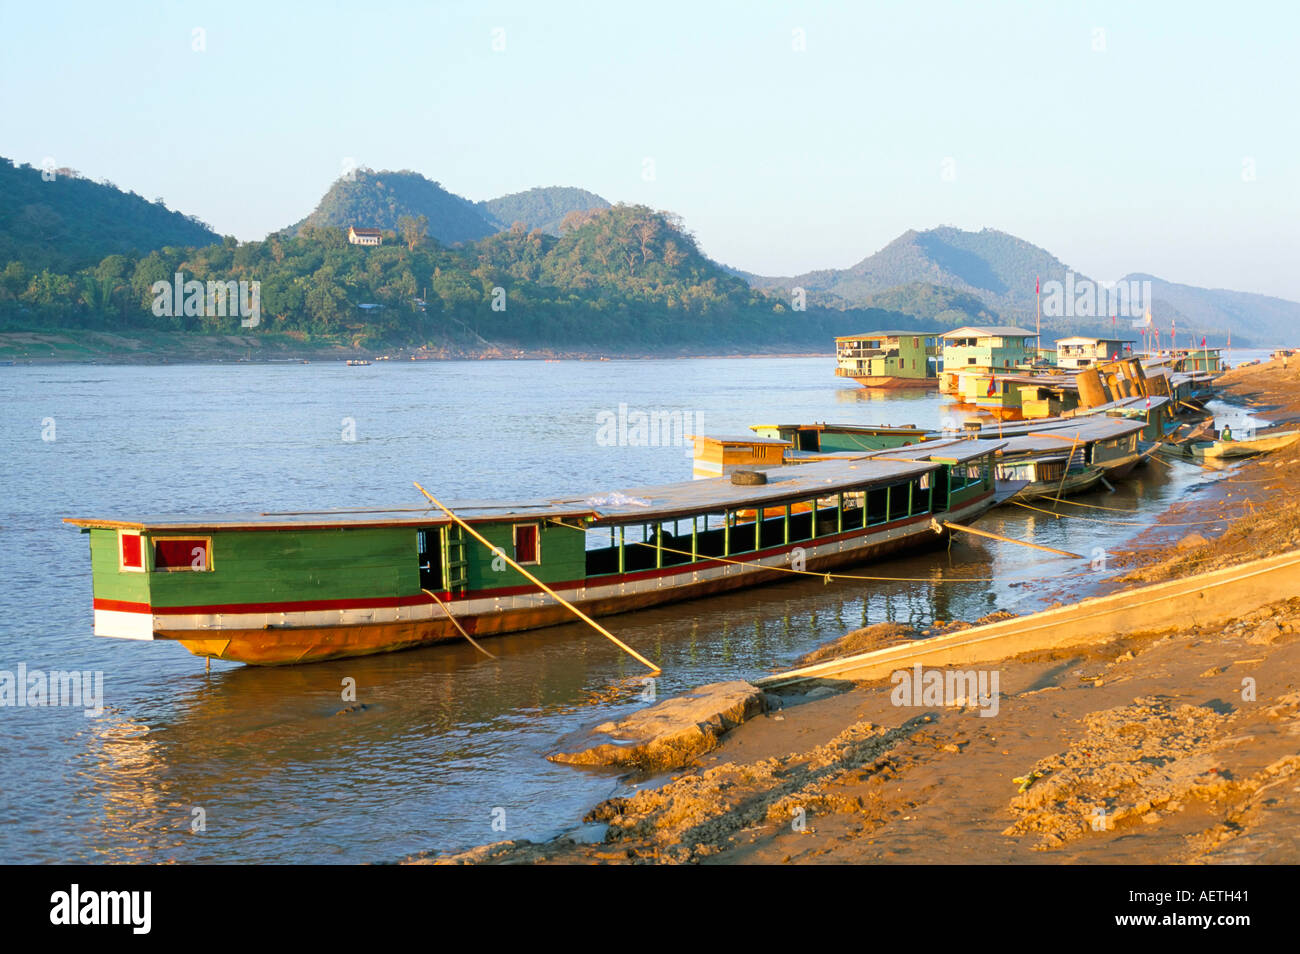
(532, 579)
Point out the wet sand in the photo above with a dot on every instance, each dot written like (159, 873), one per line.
(1170, 747)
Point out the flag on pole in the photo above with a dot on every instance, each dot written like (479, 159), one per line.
(993, 387)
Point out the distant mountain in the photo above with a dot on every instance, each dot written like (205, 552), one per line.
(70, 222)
(377, 200)
(1257, 318)
(953, 277)
(943, 307)
(541, 208)
(994, 267)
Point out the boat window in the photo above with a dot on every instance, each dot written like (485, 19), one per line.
(876, 500)
(429, 558)
(181, 553)
(526, 548)
(132, 554)
(855, 510)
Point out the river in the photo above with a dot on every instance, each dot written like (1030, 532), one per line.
(261, 765)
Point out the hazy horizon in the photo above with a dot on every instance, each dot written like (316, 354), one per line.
(1121, 140)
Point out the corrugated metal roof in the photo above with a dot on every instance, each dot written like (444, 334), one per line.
(791, 482)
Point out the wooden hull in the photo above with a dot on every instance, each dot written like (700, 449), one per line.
(288, 645)
(878, 381)
(1260, 445)
(1075, 483)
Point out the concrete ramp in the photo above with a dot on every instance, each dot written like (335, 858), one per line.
(1205, 599)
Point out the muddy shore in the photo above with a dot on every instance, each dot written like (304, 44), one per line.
(1172, 747)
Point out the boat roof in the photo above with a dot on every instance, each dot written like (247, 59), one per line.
(988, 331)
(628, 505)
(1074, 338)
(1037, 447)
(843, 428)
(1089, 427)
(737, 439)
(893, 333)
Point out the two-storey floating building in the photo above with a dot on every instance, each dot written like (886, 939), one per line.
(890, 359)
(1082, 351)
(984, 348)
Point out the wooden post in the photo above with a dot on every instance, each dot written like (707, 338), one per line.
(535, 581)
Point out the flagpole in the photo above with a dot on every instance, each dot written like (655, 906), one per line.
(1038, 320)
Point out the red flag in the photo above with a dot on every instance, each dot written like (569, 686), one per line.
(993, 386)
(1202, 341)
(1035, 284)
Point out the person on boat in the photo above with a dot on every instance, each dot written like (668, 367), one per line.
(1227, 433)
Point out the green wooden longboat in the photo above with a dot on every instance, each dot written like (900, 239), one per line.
(274, 588)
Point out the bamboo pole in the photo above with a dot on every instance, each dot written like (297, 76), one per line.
(534, 580)
(1068, 459)
(455, 622)
(994, 536)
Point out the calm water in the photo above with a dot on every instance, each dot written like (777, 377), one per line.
(449, 741)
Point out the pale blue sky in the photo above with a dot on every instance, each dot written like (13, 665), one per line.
(1127, 159)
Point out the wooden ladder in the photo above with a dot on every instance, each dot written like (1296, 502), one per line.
(455, 559)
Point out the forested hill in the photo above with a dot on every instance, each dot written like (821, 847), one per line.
(65, 222)
(960, 277)
(995, 267)
(622, 280)
(542, 208)
(378, 200)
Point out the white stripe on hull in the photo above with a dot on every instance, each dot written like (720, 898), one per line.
(124, 625)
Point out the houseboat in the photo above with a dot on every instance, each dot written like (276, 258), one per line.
(1081, 351)
(985, 348)
(277, 588)
(890, 359)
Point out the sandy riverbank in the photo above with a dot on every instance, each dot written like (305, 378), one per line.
(1171, 747)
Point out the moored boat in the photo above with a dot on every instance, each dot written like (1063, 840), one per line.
(1244, 447)
(276, 588)
(1050, 469)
